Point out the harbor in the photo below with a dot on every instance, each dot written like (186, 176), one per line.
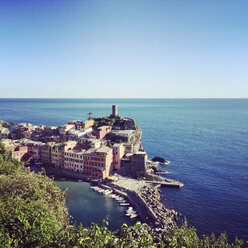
(124, 201)
(144, 198)
(86, 206)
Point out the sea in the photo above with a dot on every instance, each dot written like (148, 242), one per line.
(206, 141)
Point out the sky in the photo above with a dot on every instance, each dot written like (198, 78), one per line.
(124, 49)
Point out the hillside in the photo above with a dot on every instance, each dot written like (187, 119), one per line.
(33, 214)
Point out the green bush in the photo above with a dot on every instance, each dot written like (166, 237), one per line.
(187, 237)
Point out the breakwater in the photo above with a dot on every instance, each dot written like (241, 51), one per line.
(145, 198)
(168, 183)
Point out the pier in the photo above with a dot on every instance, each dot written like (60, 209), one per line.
(145, 198)
(146, 214)
(173, 184)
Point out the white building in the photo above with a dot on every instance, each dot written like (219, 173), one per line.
(4, 133)
(73, 160)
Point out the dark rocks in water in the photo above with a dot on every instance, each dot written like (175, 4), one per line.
(156, 170)
(159, 159)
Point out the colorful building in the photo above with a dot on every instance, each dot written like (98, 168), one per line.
(102, 131)
(73, 160)
(15, 150)
(98, 162)
(88, 143)
(118, 153)
(57, 155)
(80, 125)
(45, 153)
(34, 147)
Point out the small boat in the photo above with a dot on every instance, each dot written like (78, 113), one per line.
(129, 209)
(80, 181)
(119, 199)
(107, 192)
(134, 215)
(95, 188)
(131, 213)
(125, 204)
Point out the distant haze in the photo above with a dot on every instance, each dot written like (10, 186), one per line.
(116, 49)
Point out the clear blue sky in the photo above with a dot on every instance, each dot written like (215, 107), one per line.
(128, 48)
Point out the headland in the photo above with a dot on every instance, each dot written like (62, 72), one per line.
(103, 150)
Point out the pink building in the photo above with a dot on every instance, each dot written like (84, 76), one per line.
(34, 147)
(98, 162)
(17, 151)
(118, 153)
(102, 131)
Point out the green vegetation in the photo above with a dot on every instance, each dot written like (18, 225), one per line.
(103, 121)
(33, 214)
(110, 121)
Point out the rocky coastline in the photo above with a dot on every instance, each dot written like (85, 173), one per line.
(165, 218)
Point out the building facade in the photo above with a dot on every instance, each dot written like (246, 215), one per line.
(101, 132)
(118, 153)
(73, 160)
(45, 153)
(98, 163)
(57, 155)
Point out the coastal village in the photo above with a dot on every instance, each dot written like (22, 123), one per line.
(106, 150)
(92, 149)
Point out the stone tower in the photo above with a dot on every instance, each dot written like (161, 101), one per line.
(114, 110)
(90, 116)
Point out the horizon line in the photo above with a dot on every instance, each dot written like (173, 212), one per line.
(152, 98)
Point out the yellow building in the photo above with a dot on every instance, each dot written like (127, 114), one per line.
(57, 152)
(45, 153)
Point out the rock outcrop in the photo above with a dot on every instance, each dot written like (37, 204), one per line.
(160, 160)
(6, 124)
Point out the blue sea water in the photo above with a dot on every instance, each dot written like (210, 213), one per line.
(206, 141)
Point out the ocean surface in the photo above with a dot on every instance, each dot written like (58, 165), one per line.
(206, 141)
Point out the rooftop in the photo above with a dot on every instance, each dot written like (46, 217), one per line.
(123, 131)
(103, 149)
(79, 152)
